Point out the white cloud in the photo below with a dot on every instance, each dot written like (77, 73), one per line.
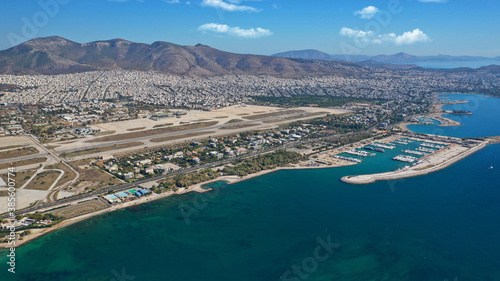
(367, 12)
(219, 4)
(412, 37)
(171, 1)
(235, 31)
(407, 38)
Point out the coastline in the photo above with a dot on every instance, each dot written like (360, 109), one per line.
(39, 232)
(414, 171)
(437, 113)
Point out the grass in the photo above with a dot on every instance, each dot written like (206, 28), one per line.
(43, 180)
(18, 152)
(23, 162)
(101, 149)
(136, 129)
(183, 136)
(68, 173)
(153, 132)
(273, 114)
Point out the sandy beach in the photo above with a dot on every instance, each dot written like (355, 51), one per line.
(39, 232)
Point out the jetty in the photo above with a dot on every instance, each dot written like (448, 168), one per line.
(432, 163)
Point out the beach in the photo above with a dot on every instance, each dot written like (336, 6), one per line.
(39, 232)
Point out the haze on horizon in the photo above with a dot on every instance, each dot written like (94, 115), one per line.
(419, 27)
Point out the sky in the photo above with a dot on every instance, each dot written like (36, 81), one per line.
(353, 27)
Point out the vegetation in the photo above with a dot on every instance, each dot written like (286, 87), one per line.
(154, 132)
(280, 158)
(173, 183)
(18, 152)
(101, 149)
(23, 162)
(309, 100)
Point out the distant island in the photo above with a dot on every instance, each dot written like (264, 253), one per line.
(399, 58)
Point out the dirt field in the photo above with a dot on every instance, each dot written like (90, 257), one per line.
(12, 146)
(232, 121)
(80, 209)
(273, 114)
(43, 180)
(136, 129)
(305, 115)
(239, 126)
(182, 136)
(18, 152)
(21, 177)
(23, 162)
(68, 173)
(101, 149)
(155, 132)
(13, 142)
(163, 125)
(93, 174)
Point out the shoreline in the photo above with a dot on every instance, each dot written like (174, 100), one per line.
(40, 232)
(414, 171)
(436, 113)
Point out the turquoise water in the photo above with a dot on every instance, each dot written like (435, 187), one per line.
(442, 226)
(485, 121)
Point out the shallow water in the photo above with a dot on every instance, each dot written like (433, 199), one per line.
(442, 226)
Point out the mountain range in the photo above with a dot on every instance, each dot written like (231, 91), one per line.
(399, 58)
(56, 55)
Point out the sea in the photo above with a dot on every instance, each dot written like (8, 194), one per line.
(299, 225)
(456, 64)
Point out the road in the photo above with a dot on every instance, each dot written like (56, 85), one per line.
(125, 186)
(83, 145)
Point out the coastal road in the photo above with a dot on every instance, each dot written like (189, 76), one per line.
(72, 199)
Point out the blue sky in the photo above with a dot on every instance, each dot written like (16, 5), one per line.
(420, 27)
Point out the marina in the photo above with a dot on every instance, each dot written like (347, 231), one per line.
(360, 153)
(377, 149)
(428, 150)
(350, 159)
(405, 158)
(383, 145)
(426, 144)
(414, 152)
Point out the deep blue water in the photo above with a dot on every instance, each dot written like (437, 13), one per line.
(456, 64)
(485, 121)
(442, 226)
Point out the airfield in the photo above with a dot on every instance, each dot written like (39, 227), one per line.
(46, 172)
